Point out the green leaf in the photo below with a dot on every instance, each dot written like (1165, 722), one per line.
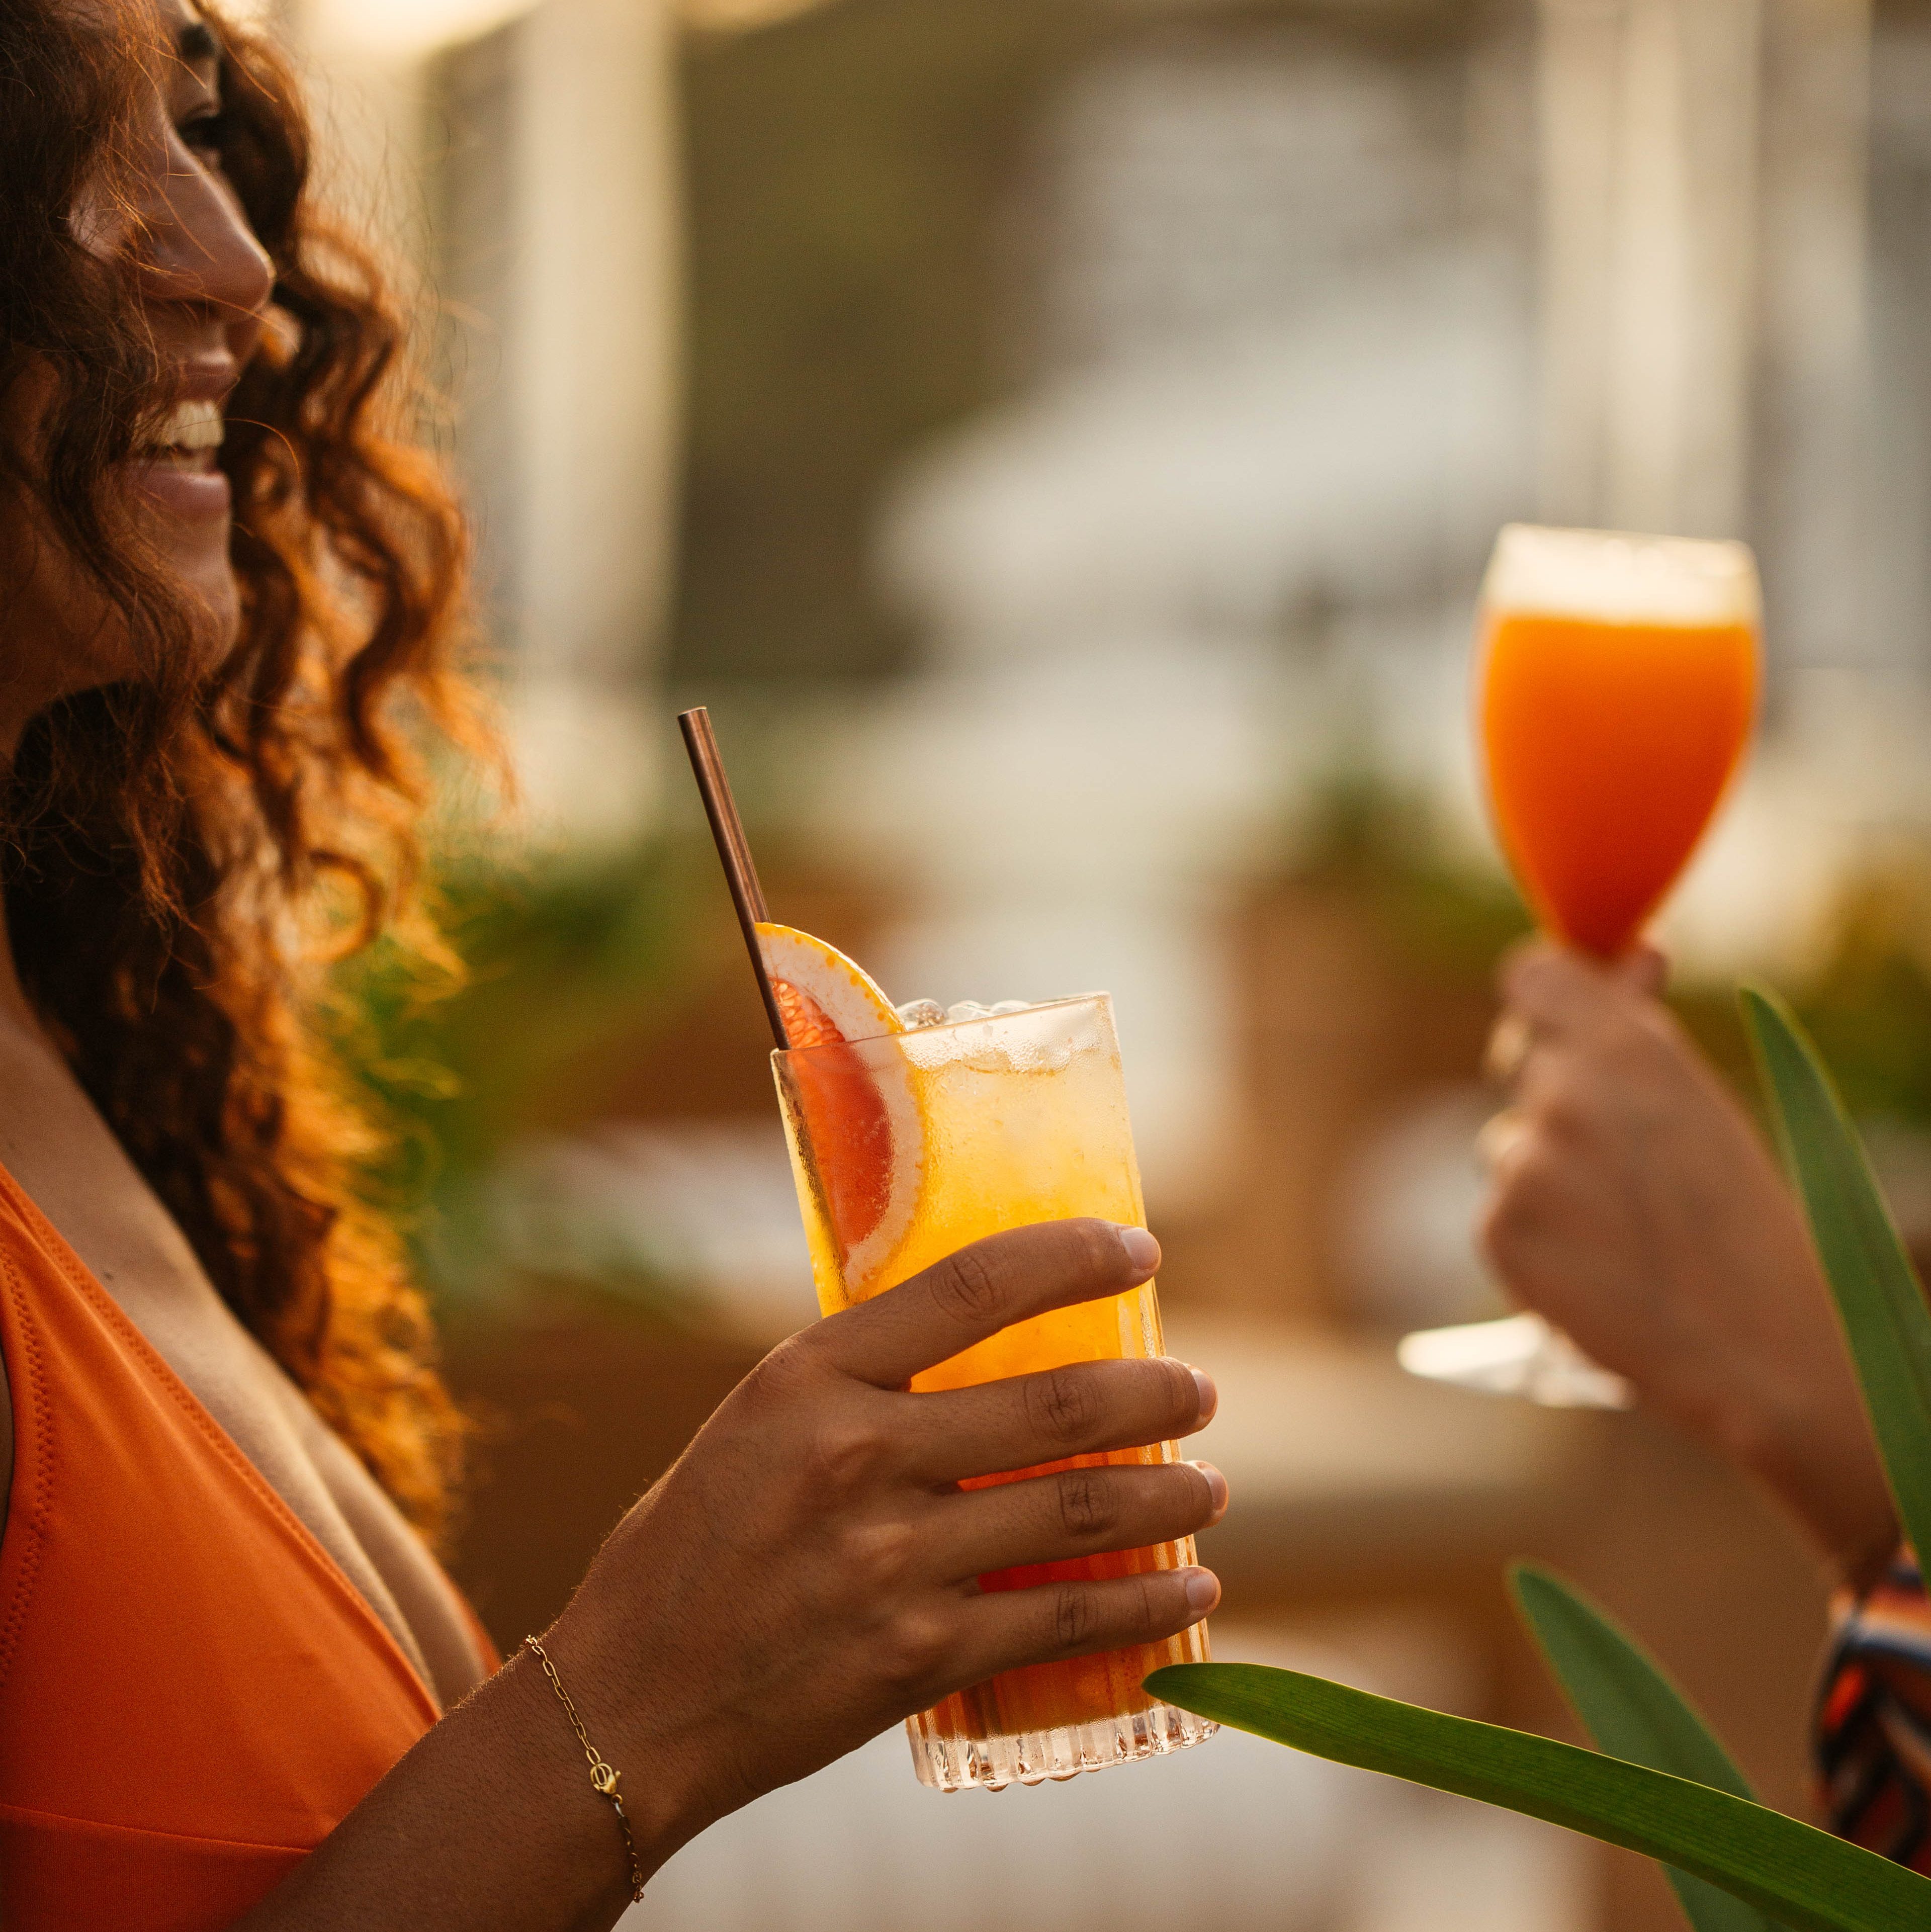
(1878, 1300)
(1799, 1876)
(1633, 1710)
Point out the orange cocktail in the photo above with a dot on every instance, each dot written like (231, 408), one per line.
(910, 1144)
(1618, 684)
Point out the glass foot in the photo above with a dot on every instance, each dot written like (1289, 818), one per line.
(1520, 1355)
(954, 1764)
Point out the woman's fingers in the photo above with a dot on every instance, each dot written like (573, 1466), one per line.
(1083, 1512)
(1005, 1628)
(980, 1290)
(1079, 1410)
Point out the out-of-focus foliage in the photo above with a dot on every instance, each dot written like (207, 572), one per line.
(1866, 999)
(1449, 919)
(1869, 1010)
(570, 971)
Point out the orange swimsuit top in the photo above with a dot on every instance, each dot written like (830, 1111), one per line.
(192, 1694)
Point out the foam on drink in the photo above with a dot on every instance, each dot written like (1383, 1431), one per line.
(1617, 578)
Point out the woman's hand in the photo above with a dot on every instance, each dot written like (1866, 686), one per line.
(1634, 1205)
(806, 1575)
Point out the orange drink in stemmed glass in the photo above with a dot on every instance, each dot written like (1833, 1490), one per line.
(1616, 684)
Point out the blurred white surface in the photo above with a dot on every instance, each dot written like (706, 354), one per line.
(705, 1211)
(1514, 1355)
(403, 29)
(1409, 1206)
(1324, 1439)
(1236, 1833)
(1354, 454)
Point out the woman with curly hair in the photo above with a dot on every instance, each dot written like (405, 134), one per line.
(235, 1688)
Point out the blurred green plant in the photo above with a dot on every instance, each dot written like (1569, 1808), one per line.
(1443, 914)
(1868, 1006)
(1865, 998)
(550, 973)
(1662, 1784)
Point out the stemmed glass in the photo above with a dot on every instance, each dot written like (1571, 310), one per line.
(1616, 687)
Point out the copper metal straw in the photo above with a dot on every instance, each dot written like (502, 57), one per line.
(727, 829)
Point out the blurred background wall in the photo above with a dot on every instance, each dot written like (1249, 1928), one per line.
(1061, 440)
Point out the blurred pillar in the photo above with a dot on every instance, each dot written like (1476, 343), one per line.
(365, 96)
(590, 333)
(1813, 499)
(551, 236)
(593, 228)
(1899, 484)
(1648, 134)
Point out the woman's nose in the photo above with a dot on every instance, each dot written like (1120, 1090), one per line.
(200, 249)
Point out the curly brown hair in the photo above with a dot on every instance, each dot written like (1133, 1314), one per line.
(176, 846)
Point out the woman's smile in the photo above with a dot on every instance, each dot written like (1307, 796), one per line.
(174, 464)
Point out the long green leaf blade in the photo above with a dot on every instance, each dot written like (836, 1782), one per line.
(1882, 1308)
(1633, 1710)
(1798, 1875)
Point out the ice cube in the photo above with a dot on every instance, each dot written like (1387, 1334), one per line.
(922, 1013)
(1012, 1006)
(967, 1010)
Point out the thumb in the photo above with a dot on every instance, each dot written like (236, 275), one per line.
(1645, 968)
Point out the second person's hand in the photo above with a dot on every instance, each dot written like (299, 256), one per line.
(1633, 1203)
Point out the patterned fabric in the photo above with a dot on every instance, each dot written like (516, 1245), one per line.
(1874, 1718)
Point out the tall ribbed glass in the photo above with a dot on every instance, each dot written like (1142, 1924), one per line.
(906, 1148)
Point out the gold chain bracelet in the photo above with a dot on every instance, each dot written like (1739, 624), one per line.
(603, 1778)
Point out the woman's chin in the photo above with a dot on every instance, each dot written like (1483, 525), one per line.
(207, 580)
(220, 596)
(189, 520)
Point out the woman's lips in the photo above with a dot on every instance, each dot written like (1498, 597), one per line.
(194, 494)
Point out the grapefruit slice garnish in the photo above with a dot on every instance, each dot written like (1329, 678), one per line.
(822, 995)
(866, 1125)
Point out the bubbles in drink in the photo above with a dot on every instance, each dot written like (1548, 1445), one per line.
(918, 1013)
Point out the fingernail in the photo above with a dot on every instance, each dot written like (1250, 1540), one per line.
(1142, 1250)
(1202, 1591)
(1210, 1396)
(1217, 1485)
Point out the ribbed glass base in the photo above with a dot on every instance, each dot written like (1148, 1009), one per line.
(953, 1764)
